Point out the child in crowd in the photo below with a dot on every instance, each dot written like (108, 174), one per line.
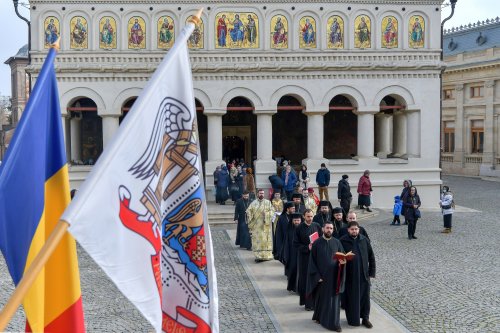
(398, 205)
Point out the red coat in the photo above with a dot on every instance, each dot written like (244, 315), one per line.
(364, 185)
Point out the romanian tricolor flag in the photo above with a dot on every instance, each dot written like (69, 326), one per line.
(34, 192)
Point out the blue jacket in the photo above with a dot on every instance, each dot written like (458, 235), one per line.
(292, 180)
(223, 178)
(398, 205)
(323, 177)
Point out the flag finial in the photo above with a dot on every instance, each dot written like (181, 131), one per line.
(196, 18)
(57, 44)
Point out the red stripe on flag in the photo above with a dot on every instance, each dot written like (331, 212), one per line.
(71, 320)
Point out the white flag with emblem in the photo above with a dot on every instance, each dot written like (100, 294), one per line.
(141, 213)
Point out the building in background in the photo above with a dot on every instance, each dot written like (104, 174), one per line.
(353, 85)
(471, 100)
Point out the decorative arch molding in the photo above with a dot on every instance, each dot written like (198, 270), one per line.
(203, 98)
(73, 94)
(301, 94)
(355, 96)
(123, 97)
(240, 92)
(399, 91)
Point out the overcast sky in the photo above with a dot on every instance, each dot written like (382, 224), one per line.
(16, 35)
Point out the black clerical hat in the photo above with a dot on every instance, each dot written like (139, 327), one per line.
(323, 203)
(296, 216)
(288, 204)
(337, 210)
(296, 195)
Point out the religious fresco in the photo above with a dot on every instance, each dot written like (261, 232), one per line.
(389, 32)
(107, 33)
(136, 33)
(335, 32)
(307, 32)
(236, 30)
(416, 30)
(79, 33)
(51, 30)
(362, 32)
(196, 39)
(279, 32)
(166, 32)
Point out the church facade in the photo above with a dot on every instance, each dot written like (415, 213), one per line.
(353, 84)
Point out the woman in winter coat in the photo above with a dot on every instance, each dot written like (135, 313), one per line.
(304, 177)
(222, 183)
(249, 183)
(364, 191)
(406, 191)
(447, 206)
(412, 204)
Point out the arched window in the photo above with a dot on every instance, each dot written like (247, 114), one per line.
(126, 108)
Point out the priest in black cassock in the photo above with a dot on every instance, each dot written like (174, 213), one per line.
(353, 217)
(338, 222)
(324, 213)
(290, 253)
(302, 243)
(243, 238)
(281, 230)
(326, 279)
(359, 271)
(298, 203)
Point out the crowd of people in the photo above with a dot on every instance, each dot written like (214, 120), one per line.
(327, 256)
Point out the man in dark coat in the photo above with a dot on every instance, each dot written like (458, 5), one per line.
(290, 253)
(302, 243)
(280, 233)
(325, 281)
(276, 184)
(359, 271)
(298, 203)
(344, 195)
(324, 213)
(353, 217)
(243, 238)
(323, 181)
(338, 223)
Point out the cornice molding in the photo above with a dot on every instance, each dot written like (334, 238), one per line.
(239, 3)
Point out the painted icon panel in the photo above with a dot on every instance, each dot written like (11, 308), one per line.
(136, 33)
(51, 30)
(79, 33)
(335, 31)
(307, 32)
(279, 32)
(389, 32)
(196, 39)
(416, 30)
(237, 30)
(166, 32)
(362, 32)
(107, 33)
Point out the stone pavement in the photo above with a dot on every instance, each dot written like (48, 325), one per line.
(437, 283)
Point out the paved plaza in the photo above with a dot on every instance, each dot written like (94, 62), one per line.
(437, 283)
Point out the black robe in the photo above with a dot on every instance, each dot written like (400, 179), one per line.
(280, 235)
(290, 254)
(320, 219)
(243, 238)
(362, 231)
(301, 243)
(337, 227)
(300, 209)
(322, 265)
(356, 297)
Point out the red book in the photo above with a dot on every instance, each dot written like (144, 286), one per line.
(313, 237)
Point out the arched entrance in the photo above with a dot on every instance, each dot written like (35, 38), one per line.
(340, 126)
(201, 121)
(239, 131)
(126, 108)
(85, 132)
(389, 127)
(290, 131)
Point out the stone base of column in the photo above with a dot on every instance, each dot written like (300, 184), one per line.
(264, 169)
(313, 164)
(209, 178)
(488, 170)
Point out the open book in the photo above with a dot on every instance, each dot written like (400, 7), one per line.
(313, 237)
(344, 256)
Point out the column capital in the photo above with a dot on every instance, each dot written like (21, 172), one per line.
(316, 112)
(261, 110)
(489, 83)
(214, 111)
(459, 87)
(367, 109)
(109, 115)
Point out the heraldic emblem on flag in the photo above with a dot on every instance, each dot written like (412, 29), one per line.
(141, 214)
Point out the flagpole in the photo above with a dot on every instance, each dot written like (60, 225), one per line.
(36, 266)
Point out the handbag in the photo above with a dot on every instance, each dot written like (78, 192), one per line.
(417, 213)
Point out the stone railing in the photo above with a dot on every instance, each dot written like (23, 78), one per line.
(446, 158)
(474, 159)
(472, 25)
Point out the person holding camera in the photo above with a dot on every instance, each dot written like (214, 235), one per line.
(447, 205)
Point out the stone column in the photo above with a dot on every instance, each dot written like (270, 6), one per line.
(460, 136)
(110, 124)
(75, 139)
(366, 130)
(67, 148)
(399, 134)
(214, 145)
(315, 135)
(413, 133)
(264, 165)
(383, 122)
(488, 162)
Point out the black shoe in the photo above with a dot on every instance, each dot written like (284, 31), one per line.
(409, 237)
(393, 223)
(366, 323)
(398, 223)
(413, 237)
(337, 329)
(368, 209)
(258, 260)
(309, 309)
